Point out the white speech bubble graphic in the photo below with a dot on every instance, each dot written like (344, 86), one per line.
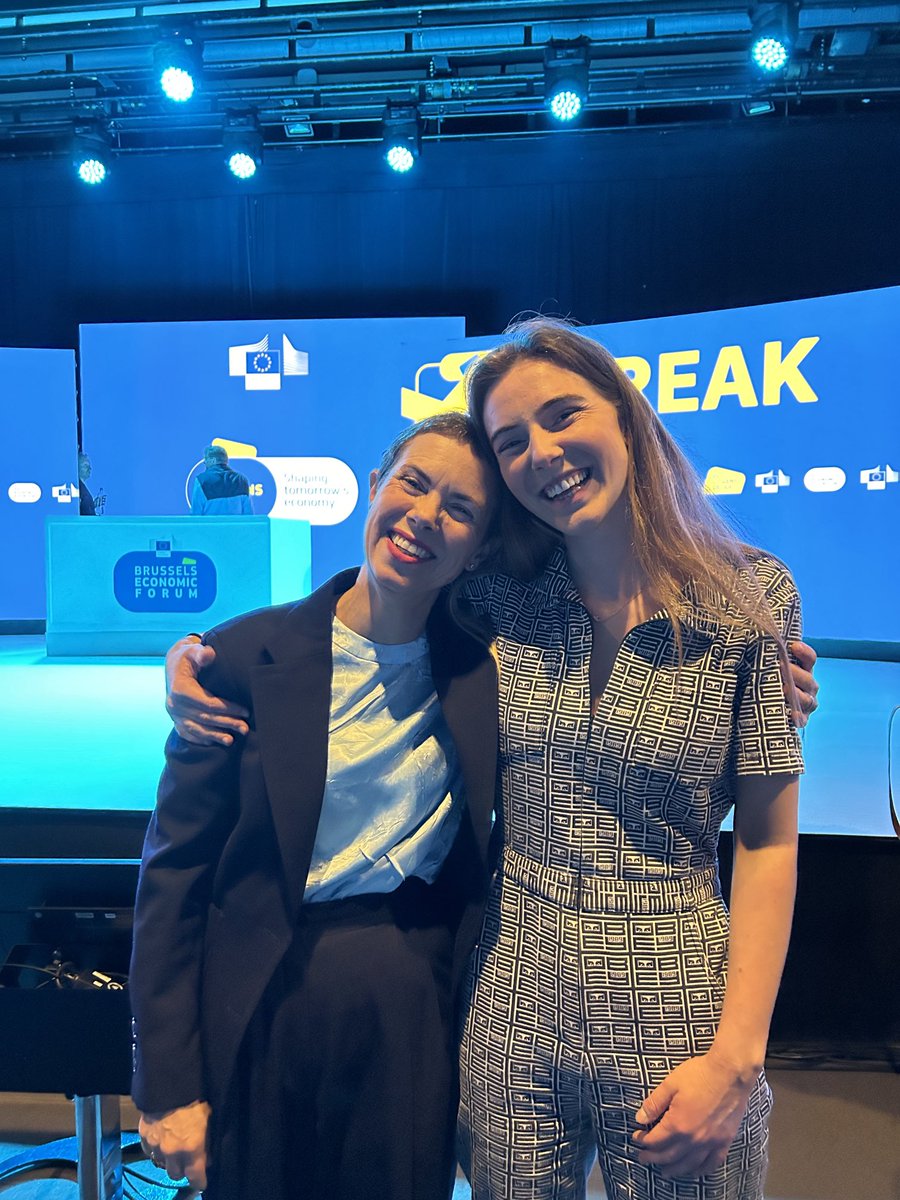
(824, 479)
(322, 491)
(24, 493)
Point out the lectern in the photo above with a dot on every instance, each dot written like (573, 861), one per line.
(133, 585)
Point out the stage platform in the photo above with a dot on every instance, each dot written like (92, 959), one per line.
(80, 733)
(88, 733)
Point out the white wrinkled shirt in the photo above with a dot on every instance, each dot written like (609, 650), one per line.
(393, 792)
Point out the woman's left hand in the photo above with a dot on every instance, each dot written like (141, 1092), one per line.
(695, 1114)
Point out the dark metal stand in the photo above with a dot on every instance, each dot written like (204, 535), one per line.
(95, 1153)
(99, 1138)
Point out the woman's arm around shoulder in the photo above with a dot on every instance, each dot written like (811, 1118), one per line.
(783, 600)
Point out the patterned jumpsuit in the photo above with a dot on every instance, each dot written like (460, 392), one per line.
(602, 957)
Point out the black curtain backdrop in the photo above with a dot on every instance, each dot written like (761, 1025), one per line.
(600, 227)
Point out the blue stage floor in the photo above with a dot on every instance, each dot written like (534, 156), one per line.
(88, 733)
(83, 733)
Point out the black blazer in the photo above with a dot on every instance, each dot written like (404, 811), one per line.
(229, 845)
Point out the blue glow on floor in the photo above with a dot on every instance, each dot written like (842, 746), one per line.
(88, 733)
(78, 732)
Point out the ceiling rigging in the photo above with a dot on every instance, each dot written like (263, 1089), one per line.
(345, 71)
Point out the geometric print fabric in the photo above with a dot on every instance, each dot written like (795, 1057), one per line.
(640, 787)
(575, 1014)
(601, 965)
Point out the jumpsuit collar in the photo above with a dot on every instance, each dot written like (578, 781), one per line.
(555, 588)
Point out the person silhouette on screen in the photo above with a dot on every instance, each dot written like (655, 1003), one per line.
(86, 505)
(219, 491)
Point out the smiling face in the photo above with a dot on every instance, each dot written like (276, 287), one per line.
(559, 447)
(427, 518)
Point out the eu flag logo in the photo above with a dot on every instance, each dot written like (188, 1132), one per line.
(261, 368)
(263, 362)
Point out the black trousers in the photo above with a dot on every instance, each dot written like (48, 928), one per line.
(346, 1087)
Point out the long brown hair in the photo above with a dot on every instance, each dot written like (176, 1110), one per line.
(677, 535)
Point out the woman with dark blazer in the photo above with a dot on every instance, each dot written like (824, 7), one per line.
(309, 894)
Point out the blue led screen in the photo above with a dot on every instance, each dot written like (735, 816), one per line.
(790, 412)
(38, 469)
(304, 409)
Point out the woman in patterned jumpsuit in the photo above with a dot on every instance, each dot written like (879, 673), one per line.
(642, 676)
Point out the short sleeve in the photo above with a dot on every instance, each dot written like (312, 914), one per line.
(767, 742)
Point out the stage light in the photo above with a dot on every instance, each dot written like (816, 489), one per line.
(770, 45)
(400, 159)
(770, 53)
(401, 136)
(92, 170)
(242, 142)
(566, 68)
(91, 155)
(176, 63)
(757, 106)
(242, 165)
(565, 105)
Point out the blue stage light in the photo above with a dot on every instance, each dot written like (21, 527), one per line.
(400, 159)
(242, 142)
(177, 83)
(401, 134)
(770, 53)
(566, 77)
(241, 165)
(91, 152)
(772, 26)
(91, 170)
(177, 65)
(565, 104)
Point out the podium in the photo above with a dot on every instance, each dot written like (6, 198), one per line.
(134, 585)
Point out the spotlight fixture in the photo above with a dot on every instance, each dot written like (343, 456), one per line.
(298, 127)
(566, 67)
(176, 64)
(91, 153)
(757, 106)
(770, 44)
(401, 135)
(242, 142)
